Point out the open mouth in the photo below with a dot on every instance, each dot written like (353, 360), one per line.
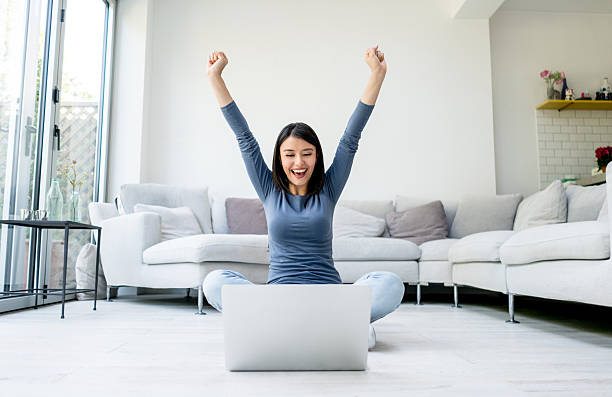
(299, 172)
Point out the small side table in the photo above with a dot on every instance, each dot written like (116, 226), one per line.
(37, 227)
(596, 179)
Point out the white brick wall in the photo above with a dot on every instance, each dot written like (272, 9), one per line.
(567, 141)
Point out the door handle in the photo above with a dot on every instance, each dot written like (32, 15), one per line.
(56, 134)
(30, 129)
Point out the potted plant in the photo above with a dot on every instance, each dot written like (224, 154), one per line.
(604, 156)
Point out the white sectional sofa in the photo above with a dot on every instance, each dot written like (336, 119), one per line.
(567, 261)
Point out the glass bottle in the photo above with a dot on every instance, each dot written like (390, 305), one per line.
(564, 89)
(74, 205)
(55, 201)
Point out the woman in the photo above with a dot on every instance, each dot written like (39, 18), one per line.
(299, 197)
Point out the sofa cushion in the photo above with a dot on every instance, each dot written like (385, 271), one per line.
(175, 222)
(217, 199)
(374, 248)
(575, 240)
(402, 203)
(377, 208)
(245, 248)
(542, 208)
(351, 223)
(479, 247)
(419, 224)
(477, 214)
(584, 202)
(436, 250)
(168, 196)
(603, 213)
(245, 216)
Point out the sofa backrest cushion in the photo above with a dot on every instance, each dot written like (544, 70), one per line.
(603, 213)
(419, 224)
(584, 202)
(542, 208)
(402, 203)
(351, 223)
(377, 208)
(357, 218)
(477, 214)
(175, 222)
(168, 196)
(245, 216)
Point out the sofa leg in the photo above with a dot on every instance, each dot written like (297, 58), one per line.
(187, 293)
(456, 295)
(511, 309)
(418, 302)
(108, 293)
(200, 301)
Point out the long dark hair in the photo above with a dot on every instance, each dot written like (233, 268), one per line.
(302, 131)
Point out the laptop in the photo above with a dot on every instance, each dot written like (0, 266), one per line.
(296, 327)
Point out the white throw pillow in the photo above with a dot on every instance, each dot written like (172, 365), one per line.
(175, 222)
(542, 208)
(85, 270)
(351, 223)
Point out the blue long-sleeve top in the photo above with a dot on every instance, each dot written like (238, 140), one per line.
(299, 227)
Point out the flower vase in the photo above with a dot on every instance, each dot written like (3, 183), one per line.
(550, 90)
(74, 205)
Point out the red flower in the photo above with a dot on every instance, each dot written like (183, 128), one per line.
(605, 151)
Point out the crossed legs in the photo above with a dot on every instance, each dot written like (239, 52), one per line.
(387, 289)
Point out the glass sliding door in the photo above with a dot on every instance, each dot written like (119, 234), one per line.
(24, 29)
(54, 84)
(77, 121)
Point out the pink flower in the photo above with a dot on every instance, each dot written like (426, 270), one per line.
(558, 82)
(543, 73)
(562, 75)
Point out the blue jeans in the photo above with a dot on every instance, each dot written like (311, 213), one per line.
(387, 289)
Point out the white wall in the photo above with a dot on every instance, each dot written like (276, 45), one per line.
(522, 45)
(431, 133)
(129, 94)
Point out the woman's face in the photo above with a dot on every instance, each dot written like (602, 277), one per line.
(298, 158)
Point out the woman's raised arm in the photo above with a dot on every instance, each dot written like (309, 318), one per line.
(338, 173)
(378, 66)
(259, 173)
(217, 61)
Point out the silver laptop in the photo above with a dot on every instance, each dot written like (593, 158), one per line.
(296, 327)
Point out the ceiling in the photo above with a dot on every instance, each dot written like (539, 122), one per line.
(572, 6)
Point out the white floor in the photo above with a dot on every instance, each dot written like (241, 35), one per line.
(155, 345)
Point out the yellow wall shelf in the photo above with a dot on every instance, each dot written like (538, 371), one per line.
(575, 105)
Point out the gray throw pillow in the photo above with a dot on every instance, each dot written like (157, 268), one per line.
(584, 202)
(245, 216)
(477, 214)
(419, 224)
